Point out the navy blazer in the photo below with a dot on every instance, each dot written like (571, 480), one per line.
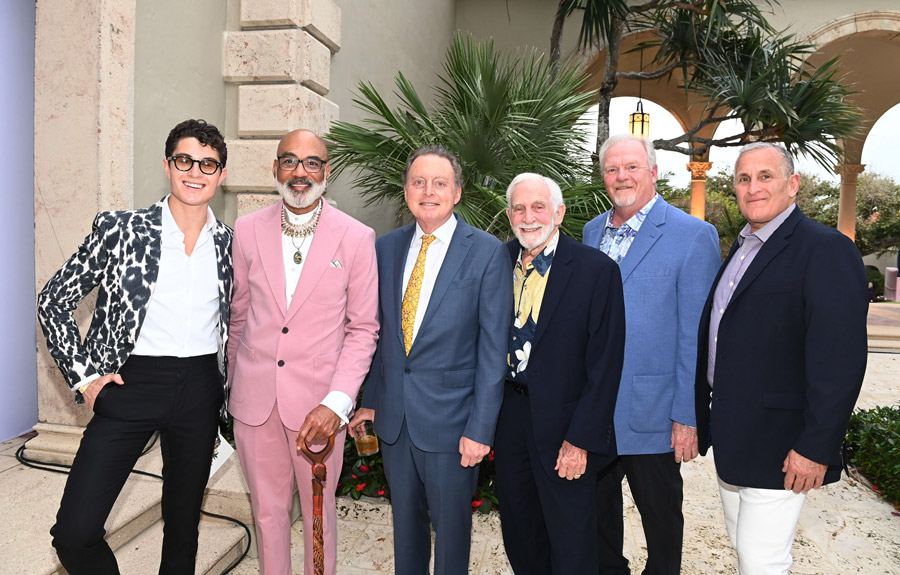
(451, 384)
(576, 355)
(790, 356)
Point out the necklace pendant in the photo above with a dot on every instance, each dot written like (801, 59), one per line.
(298, 257)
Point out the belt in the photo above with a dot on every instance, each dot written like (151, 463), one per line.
(519, 388)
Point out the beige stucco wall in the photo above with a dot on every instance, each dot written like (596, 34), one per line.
(806, 16)
(516, 25)
(378, 40)
(177, 75)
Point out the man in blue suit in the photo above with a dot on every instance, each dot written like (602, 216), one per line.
(668, 260)
(436, 382)
(781, 361)
(565, 359)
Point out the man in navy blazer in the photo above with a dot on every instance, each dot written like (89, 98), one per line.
(781, 360)
(668, 260)
(436, 382)
(566, 347)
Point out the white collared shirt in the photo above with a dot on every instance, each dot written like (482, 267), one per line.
(337, 401)
(434, 259)
(183, 312)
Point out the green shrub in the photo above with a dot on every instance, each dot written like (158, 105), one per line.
(873, 444)
(877, 279)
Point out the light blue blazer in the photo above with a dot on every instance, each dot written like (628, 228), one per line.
(666, 276)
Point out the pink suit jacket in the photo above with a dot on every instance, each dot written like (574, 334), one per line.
(324, 341)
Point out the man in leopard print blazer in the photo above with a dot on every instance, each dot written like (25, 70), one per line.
(153, 357)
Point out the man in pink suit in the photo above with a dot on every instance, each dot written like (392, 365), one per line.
(304, 327)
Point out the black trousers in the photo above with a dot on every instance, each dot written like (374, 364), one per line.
(548, 523)
(657, 488)
(180, 397)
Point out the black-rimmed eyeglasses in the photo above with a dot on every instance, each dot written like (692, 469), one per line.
(312, 164)
(185, 163)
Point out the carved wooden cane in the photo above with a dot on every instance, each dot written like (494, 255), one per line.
(318, 482)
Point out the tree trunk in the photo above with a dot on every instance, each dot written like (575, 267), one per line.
(607, 87)
(556, 41)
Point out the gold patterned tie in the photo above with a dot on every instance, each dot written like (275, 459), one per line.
(411, 297)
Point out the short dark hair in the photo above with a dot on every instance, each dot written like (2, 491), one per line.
(206, 134)
(439, 151)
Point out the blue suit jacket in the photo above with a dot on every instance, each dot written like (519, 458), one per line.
(451, 384)
(666, 275)
(790, 356)
(576, 355)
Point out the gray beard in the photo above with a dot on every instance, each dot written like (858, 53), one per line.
(303, 200)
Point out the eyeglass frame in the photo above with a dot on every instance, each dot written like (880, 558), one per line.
(174, 158)
(300, 161)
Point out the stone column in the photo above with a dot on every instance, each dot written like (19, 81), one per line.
(846, 223)
(83, 156)
(698, 187)
(281, 61)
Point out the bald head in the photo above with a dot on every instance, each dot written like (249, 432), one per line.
(306, 140)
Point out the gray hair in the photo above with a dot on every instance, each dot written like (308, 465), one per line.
(787, 165)
(440, 152)
(556, 197)
(619, 138)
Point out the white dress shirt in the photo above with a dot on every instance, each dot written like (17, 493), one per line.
(434, 259)
(337, 401)
(183, 313)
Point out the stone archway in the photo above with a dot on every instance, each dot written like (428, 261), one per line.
(857, 39)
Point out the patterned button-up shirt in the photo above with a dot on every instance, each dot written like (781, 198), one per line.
(528, 293)
(616, 241)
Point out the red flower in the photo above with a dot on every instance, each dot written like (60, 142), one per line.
(353, 475)
(477, 504)
(361, 486)
(364, 468)
(380, 492)
(491, 455)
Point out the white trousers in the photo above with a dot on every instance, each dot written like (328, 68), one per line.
(761, 524)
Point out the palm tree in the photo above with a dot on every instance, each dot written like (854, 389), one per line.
(500, 115)
(726, 55)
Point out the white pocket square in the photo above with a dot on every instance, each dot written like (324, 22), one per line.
(336, 264)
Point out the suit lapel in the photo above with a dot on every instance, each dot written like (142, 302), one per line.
(147, 230)
(651, 230)
(326, 240)
(268, 244)
(560, 274)
(401, 251)
(771, 248)
(459, 247)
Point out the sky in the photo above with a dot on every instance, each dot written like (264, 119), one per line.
(879, 152)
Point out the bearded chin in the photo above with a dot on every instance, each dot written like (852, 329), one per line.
(545, 235)
(302, 200)
(625, 200)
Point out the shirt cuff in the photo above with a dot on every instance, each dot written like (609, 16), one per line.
(340, 403)
(84, 383)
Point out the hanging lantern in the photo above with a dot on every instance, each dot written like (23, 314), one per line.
(639, 122)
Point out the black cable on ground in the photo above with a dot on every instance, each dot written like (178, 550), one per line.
(63, 468)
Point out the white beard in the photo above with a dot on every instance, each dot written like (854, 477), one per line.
(546, 231)
(300, 200)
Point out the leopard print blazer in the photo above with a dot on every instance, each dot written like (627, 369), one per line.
(121, 256)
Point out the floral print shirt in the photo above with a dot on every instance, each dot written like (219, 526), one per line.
(616, 241)
(528, 293)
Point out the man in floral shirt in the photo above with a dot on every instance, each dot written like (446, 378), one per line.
(566, 349)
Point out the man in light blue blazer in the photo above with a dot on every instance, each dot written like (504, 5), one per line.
(436, 383)
(668, 261)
